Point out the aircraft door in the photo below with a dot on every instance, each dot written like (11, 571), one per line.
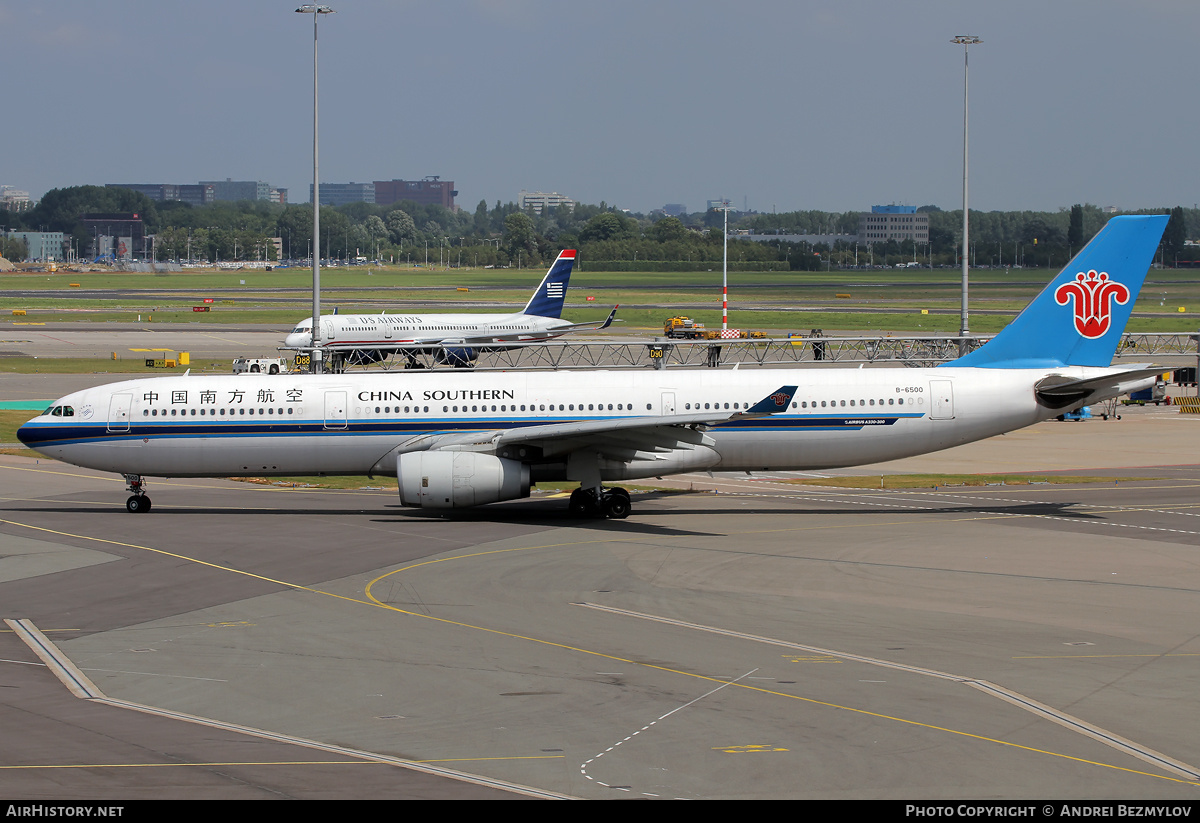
(335, 410)
(941, 399)
(327, 330)
(668, 402)
(118, 412)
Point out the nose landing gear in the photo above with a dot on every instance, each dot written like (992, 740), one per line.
(138, 501)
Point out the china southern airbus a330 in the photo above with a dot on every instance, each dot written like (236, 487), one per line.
(462, 439)
(451, 338)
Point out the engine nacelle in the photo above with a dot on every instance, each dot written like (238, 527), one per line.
(451, 480)
(457, 356)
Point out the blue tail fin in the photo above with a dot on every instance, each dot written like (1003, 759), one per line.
(547, 301)
(1079, 318)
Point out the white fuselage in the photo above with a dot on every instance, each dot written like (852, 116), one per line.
(355, 423)
(344, 331)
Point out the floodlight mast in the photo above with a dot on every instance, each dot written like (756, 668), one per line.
(725, 268)
(966, 41)
(315, 365)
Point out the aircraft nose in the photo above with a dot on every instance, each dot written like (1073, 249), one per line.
(27, 434)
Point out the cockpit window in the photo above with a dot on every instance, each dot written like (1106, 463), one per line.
(68, 411)
(299, 329)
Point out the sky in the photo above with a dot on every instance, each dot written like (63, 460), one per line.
(777, 105)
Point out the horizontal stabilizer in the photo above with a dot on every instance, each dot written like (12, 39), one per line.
(1059, 391)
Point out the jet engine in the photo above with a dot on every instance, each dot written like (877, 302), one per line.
(457, 356)
(452, 479)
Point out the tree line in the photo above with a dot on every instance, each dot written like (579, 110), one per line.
(607, 238)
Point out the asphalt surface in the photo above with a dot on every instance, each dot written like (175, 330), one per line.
(749, 639)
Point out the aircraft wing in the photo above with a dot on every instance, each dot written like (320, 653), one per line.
(522, 336)
(616, 438)
(595, 324)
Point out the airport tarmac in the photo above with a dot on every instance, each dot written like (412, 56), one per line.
(136, 341)
(750, 639)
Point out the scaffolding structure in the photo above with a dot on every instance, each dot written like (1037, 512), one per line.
(808, 350)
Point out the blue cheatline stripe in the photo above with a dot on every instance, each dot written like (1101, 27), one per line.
(60, 435)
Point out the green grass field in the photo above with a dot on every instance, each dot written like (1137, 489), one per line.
(867, 301)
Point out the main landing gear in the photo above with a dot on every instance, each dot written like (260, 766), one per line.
(612, 503)
(138, 502)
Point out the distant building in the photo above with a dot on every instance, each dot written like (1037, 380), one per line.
(41, 246)
(193, 194)
(539, 201)
(339, 194)
(885, 223)
(674, 210)
(229, 189)
(206, 191)
(14, 199)
(431, 191)
(121, 234)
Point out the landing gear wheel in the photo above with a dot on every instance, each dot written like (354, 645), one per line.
(617, 506)
(138, 503)
(580, 502)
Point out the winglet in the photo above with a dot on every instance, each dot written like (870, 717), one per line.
(611, 315)
(774, 402)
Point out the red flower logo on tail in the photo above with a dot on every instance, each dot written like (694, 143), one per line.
(1093, 295)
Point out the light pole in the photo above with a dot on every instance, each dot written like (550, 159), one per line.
(725, 268)
(315, 358)
(966, 41)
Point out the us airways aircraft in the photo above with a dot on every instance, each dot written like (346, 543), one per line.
(451, 338)
(457, 440)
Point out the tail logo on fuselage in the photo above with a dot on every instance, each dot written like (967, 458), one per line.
(781, 399)
(1093, 295)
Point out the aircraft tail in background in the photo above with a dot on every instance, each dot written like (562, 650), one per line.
(548, 300)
